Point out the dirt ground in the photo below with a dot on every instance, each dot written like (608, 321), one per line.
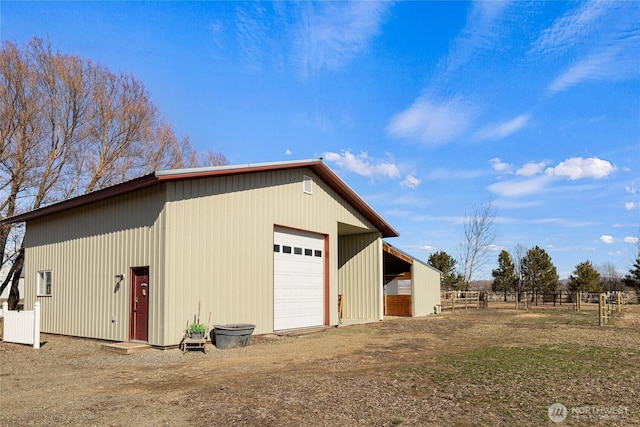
(380, 374)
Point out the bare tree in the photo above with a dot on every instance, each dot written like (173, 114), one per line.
(20, 131)
(212, 158)
(479, 234)
(69, 127)
(634, 248)
(517, 255)
(610, 278)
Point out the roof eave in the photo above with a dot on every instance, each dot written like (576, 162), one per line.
(116, 190)
(316, 165)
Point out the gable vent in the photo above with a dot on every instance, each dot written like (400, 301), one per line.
(307, 184)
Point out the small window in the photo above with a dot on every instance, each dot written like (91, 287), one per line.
(276, 248)
(307, 185)
(318, 253)
(297, 251)
(286, 249)
(44, 283)
(308, 252)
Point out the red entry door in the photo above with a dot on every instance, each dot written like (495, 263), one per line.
(140, 304)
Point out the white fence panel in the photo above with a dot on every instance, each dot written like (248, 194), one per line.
(22, 327)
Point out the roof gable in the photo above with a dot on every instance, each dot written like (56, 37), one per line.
(317, 166)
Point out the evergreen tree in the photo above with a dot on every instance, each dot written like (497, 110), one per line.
(504, 277)
(538, 272)
(447, 265)
(632, 279)
(585, 278)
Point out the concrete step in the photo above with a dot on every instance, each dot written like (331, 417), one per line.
(126, 347)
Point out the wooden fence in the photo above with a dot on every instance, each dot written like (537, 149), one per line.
(455, 300)
(569, 299)
(609, 305)
(22, 327)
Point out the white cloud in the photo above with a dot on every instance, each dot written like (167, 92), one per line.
(529, 180)
(428, 248)
(410, 181)
(601, 66)
(577, 167)
(606, 239)
(504, 129)
(519, 187)
(563, 222)
(444, 173)
(329, 34)
(362, 164)
(631, 239)
(629, 206)
(432, 123)
(630, 189)
(322, 35)
(499, 166)
(253, 33)
(530, 169)
(481, 33)
(600, 38)
(518, 204)
(287, 152)
(573, 25)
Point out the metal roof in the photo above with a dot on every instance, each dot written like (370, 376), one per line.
(158, 177)
(398, 258)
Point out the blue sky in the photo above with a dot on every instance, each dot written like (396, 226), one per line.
(426, 109)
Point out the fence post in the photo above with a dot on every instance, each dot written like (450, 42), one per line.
(579, 300)
(600, 318)
(619, 302)
(5, 307)
(36, 324)
(603, 309)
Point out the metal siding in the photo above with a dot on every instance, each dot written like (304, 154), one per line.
(220, 244)
(360, 258)
(85, 248)
(208, 243)
(426, 289)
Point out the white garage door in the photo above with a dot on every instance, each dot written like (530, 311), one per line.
(298, 267)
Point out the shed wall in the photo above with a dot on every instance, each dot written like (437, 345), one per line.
(85, 249)
(360, 275)
(426, 289)
(220, 244)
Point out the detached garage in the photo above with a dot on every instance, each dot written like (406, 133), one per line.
(273, 244)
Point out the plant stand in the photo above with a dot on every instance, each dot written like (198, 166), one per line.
(193, 343)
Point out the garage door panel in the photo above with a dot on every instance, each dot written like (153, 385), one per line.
(298, 279)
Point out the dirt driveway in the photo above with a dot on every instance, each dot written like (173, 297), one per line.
(375, 374)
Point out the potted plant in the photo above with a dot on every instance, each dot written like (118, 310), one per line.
(196, 330)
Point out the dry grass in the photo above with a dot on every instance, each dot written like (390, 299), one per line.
(492, 367)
